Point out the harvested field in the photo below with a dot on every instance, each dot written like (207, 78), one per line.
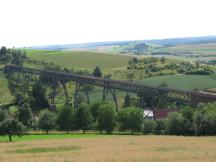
(113, 148)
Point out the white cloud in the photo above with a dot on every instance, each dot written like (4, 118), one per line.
(39, 22)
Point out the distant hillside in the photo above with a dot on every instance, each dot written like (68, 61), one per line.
(164, 42)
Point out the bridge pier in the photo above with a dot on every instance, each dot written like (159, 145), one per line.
(53, 93)
(106, 91)
(27, 78)
(67, 99)
(80, 88)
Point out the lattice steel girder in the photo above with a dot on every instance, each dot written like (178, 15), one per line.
(80, 88)
(115, 84)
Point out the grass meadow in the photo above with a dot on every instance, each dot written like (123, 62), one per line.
(108, 148)
(183, 82)
(83, 60)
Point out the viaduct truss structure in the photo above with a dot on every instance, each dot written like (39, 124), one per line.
(145, 93)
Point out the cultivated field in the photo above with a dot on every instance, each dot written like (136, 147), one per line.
(110, 148)
(183, 82)
(80, 59)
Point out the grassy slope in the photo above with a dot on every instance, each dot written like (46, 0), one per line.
(80, 59)
(184, 82)
(5, 95)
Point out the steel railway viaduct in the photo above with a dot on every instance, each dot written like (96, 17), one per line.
(145, 93)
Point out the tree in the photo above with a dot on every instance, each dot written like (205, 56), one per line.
(160, 126)
(83, 117)
(205, 124)
(3, 50)
(39, 96)
(106, 118)
(97, 72)
(25, 115)
(47, 121)
(163, 84)
(11, 127)
(65, 119)
(148, 126)
(130, 119)
(163, 60)
(127, 100)
(3, 114)
(178, 125)
(94, 109)
(135, 60)
(147, 70)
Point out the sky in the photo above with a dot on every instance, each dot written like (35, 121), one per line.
(26, 23)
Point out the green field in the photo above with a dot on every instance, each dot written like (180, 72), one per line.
(183, 82)
(79, 59)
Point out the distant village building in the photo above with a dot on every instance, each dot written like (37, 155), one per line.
(158, 113)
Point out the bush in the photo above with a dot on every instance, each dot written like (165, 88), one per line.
(11, 127)
(130, 119)
(47, 121)
(148, 126)
(106, 118)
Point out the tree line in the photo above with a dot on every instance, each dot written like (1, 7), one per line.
(101, 117)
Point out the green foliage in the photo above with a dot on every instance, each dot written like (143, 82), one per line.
(160, 126)
(178, 125)
(163, 60)
(66, 119)
(97, 72)
(25, 115)
(130, 119)
(94, 109)
(83, 117)
(106, 118)
(47, 121)
(127, 101)
(11, 127)
(205, 120)
(3, 114)
(39, 96)
(148, 126)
